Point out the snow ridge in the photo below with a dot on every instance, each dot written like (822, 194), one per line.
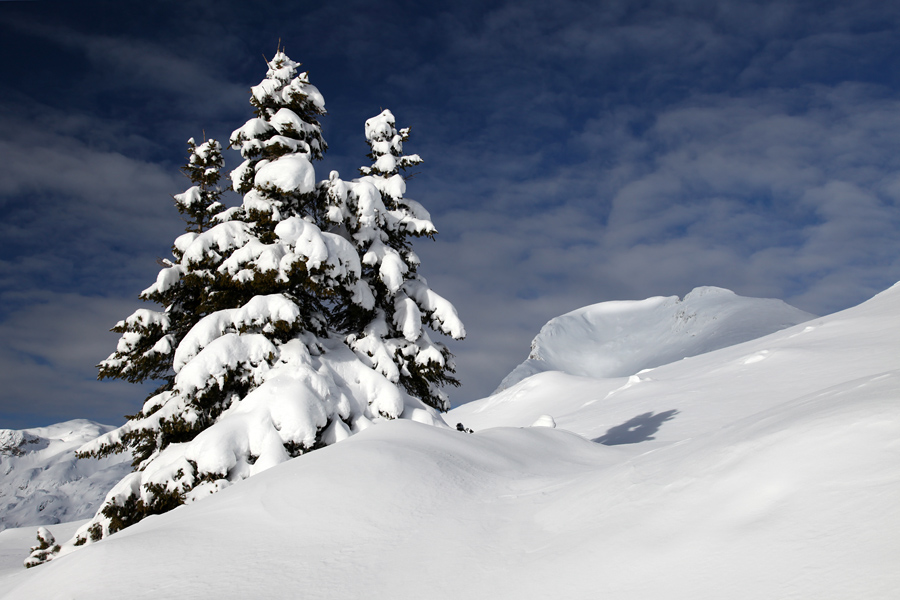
(618, 339)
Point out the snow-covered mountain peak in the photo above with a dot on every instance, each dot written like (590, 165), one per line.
(621, 338)
(41, 480)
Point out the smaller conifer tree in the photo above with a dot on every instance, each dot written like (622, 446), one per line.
(200, 204)
(183, 288)
(382, 222)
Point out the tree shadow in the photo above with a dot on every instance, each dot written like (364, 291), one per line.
(637, 429)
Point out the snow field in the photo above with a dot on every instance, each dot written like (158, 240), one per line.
(762, 470)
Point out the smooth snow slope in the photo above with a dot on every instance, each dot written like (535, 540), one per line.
(617, 339)
(41, 481)
(764, 470)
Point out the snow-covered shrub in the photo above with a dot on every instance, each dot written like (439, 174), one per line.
(45, 548)
(288, 323)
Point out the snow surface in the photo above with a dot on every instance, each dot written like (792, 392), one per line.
(767, 469)
(615, 339)
(41, 481)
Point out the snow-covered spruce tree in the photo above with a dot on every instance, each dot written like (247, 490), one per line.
(390, 336)
(252, 343)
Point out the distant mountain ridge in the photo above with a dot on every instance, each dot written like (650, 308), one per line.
(621, 338)
(41, 480)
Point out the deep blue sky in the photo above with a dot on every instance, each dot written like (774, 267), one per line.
(575, 152)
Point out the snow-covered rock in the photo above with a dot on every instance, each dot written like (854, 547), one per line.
(616, 339)
(41, 480)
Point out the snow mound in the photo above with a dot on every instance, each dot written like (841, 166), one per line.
(41, 480)
(616, 339)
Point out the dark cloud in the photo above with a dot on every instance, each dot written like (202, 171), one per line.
(78, 217)
(49, 350)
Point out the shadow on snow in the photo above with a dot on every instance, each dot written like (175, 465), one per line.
(637, 429)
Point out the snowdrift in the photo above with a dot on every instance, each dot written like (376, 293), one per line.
(762, 470)
(617, 339)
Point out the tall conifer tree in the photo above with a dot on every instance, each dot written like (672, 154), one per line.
(248, 288)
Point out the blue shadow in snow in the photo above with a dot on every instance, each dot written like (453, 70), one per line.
(635, 430)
